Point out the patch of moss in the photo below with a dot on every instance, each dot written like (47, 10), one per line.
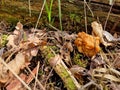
(75, 18)
(3, 40)
(78, 61)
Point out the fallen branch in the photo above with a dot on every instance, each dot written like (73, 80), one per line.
(61, 69)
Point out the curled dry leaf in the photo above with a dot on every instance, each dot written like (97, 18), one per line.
(97, 30)
(11, 41)
(34, 51)
(87, 44)
(19, 26)
(111, 38)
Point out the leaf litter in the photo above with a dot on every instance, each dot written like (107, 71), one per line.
(56, 50)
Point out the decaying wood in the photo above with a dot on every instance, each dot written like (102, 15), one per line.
(61, 69)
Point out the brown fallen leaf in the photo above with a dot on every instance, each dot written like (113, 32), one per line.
(19, 26)
(15, 84)
(15, 65)
(87, 44)
(11, 41)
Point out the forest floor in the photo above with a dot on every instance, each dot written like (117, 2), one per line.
(37, 59)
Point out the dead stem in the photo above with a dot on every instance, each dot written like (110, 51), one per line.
(39, 83)
(85, 15)
(108, 14)
(40, 14)
(38, 65)
(29, 8)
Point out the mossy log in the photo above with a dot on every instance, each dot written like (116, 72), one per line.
(73, 16)
(60, 68)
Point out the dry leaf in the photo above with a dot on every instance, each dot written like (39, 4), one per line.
(97, 30)
(14, 64)
(4, 75)
(65, 51)
(34, 51)
(19, 26)
(17, 63)
(15, 84)
(87, 44)
(111, 38)
(11, 41)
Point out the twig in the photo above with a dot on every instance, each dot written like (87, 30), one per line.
(39, 83)
(114, 71)
(13, 52)
(85, 15)
(90, 9)
(108, 14)
(29, 8)
(36, 75)
(53, 27)
(88, 84)
(40, 14)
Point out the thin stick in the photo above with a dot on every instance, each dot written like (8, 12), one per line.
(108, 14)
(40, 14)
(39, 83)
(85, 15)
(90, 83)
(38, 65)
(1, 60)
(29, 8)
(53, 27)
(7, 60)
(89, 9)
